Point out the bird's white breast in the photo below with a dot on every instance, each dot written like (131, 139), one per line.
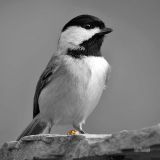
(73, 95)
(99, 68)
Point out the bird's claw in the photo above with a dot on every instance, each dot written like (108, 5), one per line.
(73, 132)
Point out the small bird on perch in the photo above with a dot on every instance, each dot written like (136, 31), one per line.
(71, 85)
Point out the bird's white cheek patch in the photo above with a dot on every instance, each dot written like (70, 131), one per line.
(77, 35)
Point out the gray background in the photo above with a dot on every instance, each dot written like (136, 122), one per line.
(29, 31)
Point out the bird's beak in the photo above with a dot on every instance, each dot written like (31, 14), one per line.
(106, 31)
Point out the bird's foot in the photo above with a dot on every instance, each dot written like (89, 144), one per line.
(73, 132)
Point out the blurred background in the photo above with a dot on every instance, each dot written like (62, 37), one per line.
(29, 31)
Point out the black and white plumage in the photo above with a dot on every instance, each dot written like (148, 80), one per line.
(71, 85)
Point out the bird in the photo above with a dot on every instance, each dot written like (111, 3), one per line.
(74, 79)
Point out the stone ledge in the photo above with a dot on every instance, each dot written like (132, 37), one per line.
(127, 145)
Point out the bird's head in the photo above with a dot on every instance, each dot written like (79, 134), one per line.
(82, 32)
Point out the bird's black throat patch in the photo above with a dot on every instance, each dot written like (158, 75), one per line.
(91, 47)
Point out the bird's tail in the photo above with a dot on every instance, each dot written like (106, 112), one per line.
(37, 126)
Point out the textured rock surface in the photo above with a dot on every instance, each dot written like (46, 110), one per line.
(138, 144)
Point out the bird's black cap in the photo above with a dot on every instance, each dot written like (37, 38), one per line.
(85, 21)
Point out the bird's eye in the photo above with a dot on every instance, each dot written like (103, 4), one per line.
(87, 26)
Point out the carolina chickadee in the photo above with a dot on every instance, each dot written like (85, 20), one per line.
(71, 85)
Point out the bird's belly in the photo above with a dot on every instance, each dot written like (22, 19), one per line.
(61, 104)
(71, 99)
(70, 103)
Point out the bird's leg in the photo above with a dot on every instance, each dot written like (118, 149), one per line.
(48, 128)
(78, 127)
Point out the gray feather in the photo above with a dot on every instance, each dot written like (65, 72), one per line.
(44, 80)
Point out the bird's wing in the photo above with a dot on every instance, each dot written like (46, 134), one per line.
(46, 77)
